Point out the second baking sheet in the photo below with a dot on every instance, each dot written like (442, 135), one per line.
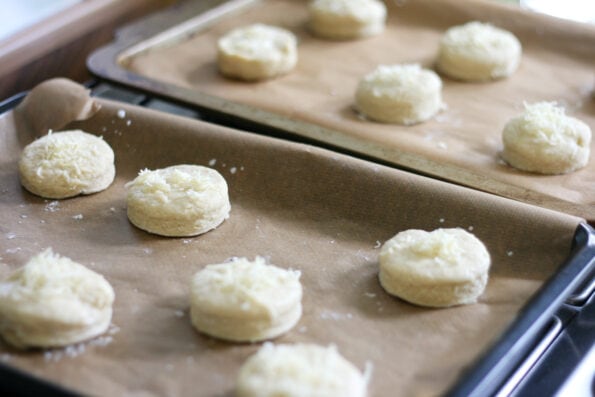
(461, 144)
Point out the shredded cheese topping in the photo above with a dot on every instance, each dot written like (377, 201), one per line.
(251, 286)
(300, 370)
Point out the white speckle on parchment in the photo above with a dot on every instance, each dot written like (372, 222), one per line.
(113, 329)
(101, 341)
(332, 315)
(52, 206)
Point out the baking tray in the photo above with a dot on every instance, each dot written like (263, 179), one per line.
(303, 207)
(173, 55)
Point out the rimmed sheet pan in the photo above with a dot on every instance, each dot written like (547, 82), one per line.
(460, 145)
(311, 209)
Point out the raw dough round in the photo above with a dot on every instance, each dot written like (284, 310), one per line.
(478, 51)
(299, 370)
(245, 301)
(346, 19)
(53, 301)
(257, 52)
(442, 268)
(402, 94)
(545, 140)
(177, 201)
(66, 164)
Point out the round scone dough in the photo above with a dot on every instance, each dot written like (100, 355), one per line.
(177, 201)
(66, 164)
(346, 19)
(478, 51)
(545, 140)
(245, 301)
(441, 268)
(257, 52)
(299, 370)
(400, 94)
(53, 301)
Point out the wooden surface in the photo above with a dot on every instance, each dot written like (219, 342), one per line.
(59, 45)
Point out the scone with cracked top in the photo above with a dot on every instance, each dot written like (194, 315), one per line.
(53, 301)
(245, 301)
(441, 268)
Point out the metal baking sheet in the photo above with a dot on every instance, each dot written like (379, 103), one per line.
(302, 207)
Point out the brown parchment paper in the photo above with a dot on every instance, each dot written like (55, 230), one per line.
(461, 144)
(302, 207)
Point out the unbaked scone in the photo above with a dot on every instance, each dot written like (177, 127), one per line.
(545, 140)
(257, 52)
(299, 370)
(245, 301)
(401, 94)
(177, 201)
(442, 268)
(53, 301)
(478, 51)
(346, 19)
(66, 164)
